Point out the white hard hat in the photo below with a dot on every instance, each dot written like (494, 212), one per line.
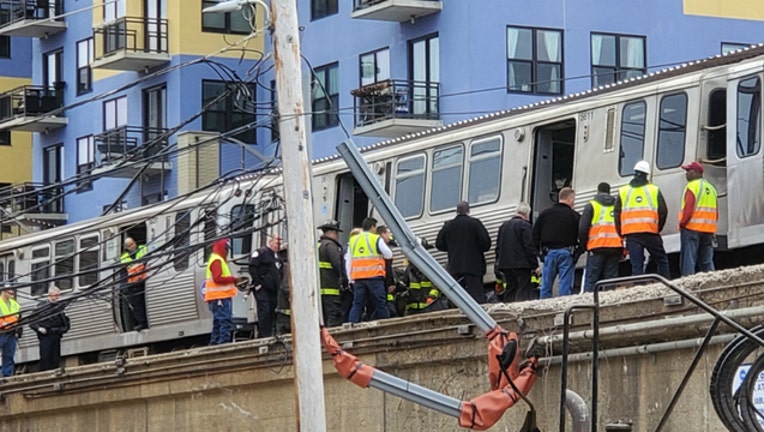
(642, 166)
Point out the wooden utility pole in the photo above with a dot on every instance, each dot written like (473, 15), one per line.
(303, 262)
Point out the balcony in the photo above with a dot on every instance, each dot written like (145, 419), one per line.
(37, 205)
(126, 150)
(131, 44)
(31, 18)
(394, 10)
(32, 108)
(393, 108)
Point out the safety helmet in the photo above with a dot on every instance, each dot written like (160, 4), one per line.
(330, 224)
(642, 166)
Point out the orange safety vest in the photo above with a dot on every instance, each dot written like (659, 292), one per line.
(135, 272)
(705, 214)
(9, 312)
(216, 291)
(602, 233)
(639, 209)
(365, 260)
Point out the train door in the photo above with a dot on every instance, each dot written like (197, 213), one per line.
(7, 269)
(352, 205)
(123, 311)
(712, 146)
(745, 198)
(553, 156)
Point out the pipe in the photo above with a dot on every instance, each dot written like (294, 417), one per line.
(641, 349)
(579, 412)
(623, 329)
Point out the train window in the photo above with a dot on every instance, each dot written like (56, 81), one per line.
(485, 171)
(717, 125)
(446, 181)
(2, 271)
(672, 129)
(11, 273)
(242, 220)
(409, 186)
(40, 271)
(181, 240)
(210, 231)
(632, 137)
(64, 264)
(748, 117)
(88, 261)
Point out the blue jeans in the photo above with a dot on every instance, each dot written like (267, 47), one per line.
(221, 321)
(697, 251)
(8, 346)
(600, 266)
(374, 288)
(557, 261)
(654, 244)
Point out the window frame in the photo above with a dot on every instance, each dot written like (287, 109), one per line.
(430, 169)
(84, 87)
(398, 177)
(86, 168)
(757, 104)
(314, 16)
(5, 138)
(534, 61)
(5, 47)
(332, 119)
(732, 47)
(230, 110)
(117, 113)
(617, 68)
(376, 62)
(629, 167)
(658, 159)
(469, 159)
(34, 286)
(96, 249)
(227, 20)
(60, 260)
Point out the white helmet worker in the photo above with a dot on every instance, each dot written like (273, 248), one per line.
(642, 166)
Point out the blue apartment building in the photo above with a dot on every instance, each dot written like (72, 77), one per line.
(110, 107)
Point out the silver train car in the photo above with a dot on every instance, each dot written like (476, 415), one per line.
(709, 110)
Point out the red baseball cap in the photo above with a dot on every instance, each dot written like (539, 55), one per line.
(694, 165)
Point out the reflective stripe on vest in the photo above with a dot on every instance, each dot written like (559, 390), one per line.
(135, 272)
(365, 261)
(639, 209)
(9, 312)
(602, 233)
(704, 215)
(216, 291)
(330, 291)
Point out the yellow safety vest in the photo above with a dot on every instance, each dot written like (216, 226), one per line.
(135, 272)
(639, 209)
(602, 233)
(705, 214)
(216, 291)
(9, 312)
(365, 261)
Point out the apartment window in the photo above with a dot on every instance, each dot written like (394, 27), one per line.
(446, 178)
(229, 22)
(5, 138)
(375, 66)
(617, 57)
(534, 60)
(274, 112)
(84, 58)
(322, 8)
(115, 113)
(85, 159)
(671, 133)
(632, 137)
(409, 186)
(114, 10)
(5, 47)
(154, 118)
(52, 72)
(234, 110)
(424, 63)
(728, 47)
(748, 117)
(326, 97)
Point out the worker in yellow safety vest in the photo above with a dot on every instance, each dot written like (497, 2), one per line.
(597, 231)
(365, 260)
(697, 222)
(135, 288)
(9, 317)
(640, 213)
(219, 289)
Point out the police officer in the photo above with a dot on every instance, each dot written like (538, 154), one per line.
(331, 268)
(50, 327)
(265, 267)
(640, 214)
(597, 232)
(697, 222)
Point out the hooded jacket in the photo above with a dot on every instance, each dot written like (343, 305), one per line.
(586, 219)
(639, 180)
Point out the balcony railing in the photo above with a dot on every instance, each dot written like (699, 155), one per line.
(131, 144)
(131, 43)
(394, 10)
(396, 99)
(34, 198)
(31, 18)
(28, 108)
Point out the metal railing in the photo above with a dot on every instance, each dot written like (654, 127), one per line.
(31, 101)
(132, 34)
(363, 4)
(13, 11)
(32, 197)
(131, 143)
(391, 99)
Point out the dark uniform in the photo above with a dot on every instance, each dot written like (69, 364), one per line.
(331, 266)
(265, 267)
(56, 323)
(421, 292)
(283, 301)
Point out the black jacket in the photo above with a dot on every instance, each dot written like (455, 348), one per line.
(638, 181)
(330, 251)
(586, 220)
(266, 269)
(556, 227)
(466, 240)
(51, 316)
(514, 245)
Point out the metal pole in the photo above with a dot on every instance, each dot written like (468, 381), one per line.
(309, 382)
